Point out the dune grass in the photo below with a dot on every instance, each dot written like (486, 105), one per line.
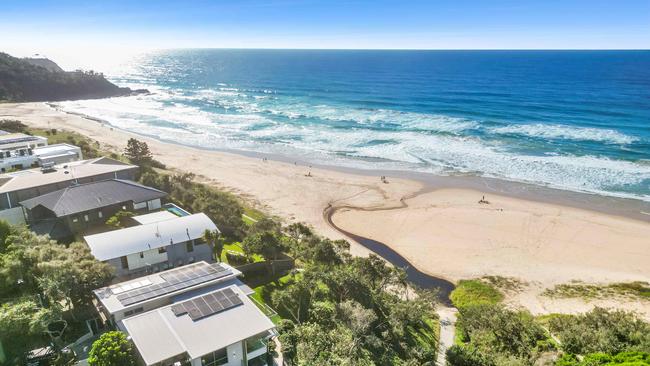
(633, 290)
(474, 292)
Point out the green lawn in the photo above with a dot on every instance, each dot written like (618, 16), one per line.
(236, 248)
(265, 290)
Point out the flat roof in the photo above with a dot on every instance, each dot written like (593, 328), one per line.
(25, 179)
(160, 334)
(56, 149)
(10, 138)
(108, 296)
(154, 217)
(136, 239)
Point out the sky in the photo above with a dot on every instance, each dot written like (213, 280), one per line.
(67, 28)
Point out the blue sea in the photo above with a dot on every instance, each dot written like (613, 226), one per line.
(575, 120)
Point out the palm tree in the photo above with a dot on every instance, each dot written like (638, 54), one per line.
(214, 238)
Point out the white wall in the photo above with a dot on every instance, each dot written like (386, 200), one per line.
(235, 355)
(149, 257)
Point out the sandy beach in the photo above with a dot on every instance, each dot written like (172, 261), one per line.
(444, 231)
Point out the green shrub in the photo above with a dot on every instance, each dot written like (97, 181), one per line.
(474, 292)
(112, 349)
(602, 359)
(467, 355)
(601, 330)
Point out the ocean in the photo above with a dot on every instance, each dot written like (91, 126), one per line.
(574, 120)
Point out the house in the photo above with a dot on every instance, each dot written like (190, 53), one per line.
(162, 240)
(17, 150)
(78, 207)
(23, 185)
(199, 314)
(57, 154)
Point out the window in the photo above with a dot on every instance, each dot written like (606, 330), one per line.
(139, 205)
(75, 219)
(100, 214)
(125, 262)
(141, 255)
(255, 343)
(189, 246)
(216, 358)
(21, 152)
(86, 218)
(138, 310)
(8, 154)
(162, 250)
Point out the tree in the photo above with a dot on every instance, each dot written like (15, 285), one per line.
(112, 349)
(21, 323)
(214, 239)
(496, 333)
(12, 125)
(120, 219)
(70, 274)
(34, 263)
(264, 243)
(5, 231)
(24, 318)
(138, 152)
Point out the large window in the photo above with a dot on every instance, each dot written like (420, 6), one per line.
(255, 343)
(216, 358)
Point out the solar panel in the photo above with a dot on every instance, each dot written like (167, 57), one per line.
(208, 304)
(179, 309)
(174, 280)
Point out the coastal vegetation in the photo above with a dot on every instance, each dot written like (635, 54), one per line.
(24, 81)
(490, 333)
(339, 309)
(638, 290)
(42, 281)
(112, 349)
(474, 292)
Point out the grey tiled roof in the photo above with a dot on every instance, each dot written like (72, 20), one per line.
(83, 197)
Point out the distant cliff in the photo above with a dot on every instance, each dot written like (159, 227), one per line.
(36, 80)
(44, 62)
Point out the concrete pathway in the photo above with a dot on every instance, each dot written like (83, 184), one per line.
(447, 331)
(278, 360)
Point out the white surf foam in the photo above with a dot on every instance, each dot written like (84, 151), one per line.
(409, 148)
(556, 131)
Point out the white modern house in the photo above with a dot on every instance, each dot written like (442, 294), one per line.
(17, 150)
(199, 315)
(162, 240)
(57, 154)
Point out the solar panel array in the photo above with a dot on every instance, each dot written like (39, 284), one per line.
(209, 304)
(175, 280)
